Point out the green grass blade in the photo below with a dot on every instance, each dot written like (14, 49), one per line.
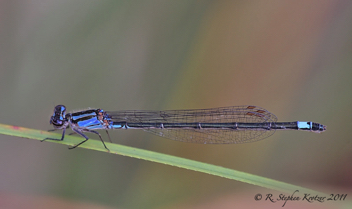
(159, 158)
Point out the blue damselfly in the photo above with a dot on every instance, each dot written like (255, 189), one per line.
(224, 125)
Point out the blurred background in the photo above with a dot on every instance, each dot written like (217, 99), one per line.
(293, 58)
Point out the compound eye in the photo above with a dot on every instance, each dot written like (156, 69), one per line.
(58, 117)
(60, 109)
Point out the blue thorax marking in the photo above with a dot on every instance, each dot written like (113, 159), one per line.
(84, 114)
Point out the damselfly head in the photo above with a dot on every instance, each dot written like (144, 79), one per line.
(58, 119)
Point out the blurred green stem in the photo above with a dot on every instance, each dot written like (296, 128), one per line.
(159, 158)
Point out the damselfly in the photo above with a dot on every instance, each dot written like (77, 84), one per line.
(224, 125)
